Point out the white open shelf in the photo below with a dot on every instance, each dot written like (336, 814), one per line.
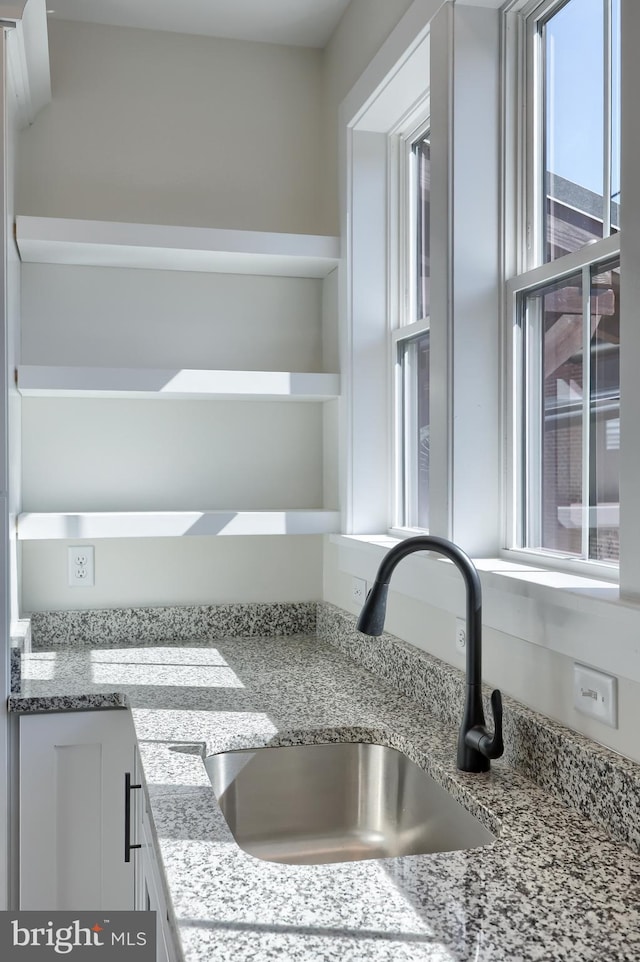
(162, 248)
(55, 240)
(170, 524)
(44, 381)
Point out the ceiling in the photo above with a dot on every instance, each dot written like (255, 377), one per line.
(305, 23)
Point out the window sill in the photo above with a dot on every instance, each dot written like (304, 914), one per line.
(580, 617)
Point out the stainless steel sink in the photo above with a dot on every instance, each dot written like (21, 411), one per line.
(311, 804)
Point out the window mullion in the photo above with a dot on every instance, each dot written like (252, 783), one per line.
(586, 409)
(410, 414)
(598, 251)
(535, 132)
(534, 413)
(517, 519)
(607, 80)
(397, 436)
(406, 486)
(409, 299)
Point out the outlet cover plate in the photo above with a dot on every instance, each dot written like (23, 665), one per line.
(81, 566)
(358, 590)
(595, 694)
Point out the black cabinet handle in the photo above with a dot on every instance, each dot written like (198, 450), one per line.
(128, 788)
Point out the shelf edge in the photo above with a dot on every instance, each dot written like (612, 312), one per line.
(56, 526)
(174, 384)
(55, 240)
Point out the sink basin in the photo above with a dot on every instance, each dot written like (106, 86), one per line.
(312, 804)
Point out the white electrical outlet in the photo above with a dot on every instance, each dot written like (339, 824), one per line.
(595, 694)
(461, 635)
(358, 590)
(81, 567)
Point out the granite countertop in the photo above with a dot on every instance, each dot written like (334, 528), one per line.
(553, 886)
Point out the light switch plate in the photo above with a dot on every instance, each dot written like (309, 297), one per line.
(595, 694)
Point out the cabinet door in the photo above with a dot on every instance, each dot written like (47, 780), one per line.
(72, 810)
(138, 816)
(154, 900)
(148, 885)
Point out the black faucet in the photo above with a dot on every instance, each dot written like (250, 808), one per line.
(475, 744)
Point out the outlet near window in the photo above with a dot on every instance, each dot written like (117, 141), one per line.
(595, 694)
(358, 590)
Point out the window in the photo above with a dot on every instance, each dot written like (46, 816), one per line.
(572, 414)
(577, 107)
(566, 300)
(410, 340)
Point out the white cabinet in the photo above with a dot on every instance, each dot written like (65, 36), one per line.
(149, 889)
(72, 810)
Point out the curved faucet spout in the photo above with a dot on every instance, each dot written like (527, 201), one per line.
(475, 744)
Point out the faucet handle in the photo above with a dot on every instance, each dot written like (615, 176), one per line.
(482, 741)
(494, 747)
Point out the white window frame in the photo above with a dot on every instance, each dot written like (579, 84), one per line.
(524, 269)
(402, 296)
(525, 598)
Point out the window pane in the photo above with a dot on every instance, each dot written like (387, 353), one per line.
(421, 151)
(414, 364)
(604, 494)
(572, 438)
(554, 317)
(573, 43)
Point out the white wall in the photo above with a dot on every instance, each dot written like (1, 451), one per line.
(176, 571)
(364, 27)
(170, 319)
(156, 455)
(154, 127)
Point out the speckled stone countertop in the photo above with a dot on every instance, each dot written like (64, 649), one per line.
(553, 887)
